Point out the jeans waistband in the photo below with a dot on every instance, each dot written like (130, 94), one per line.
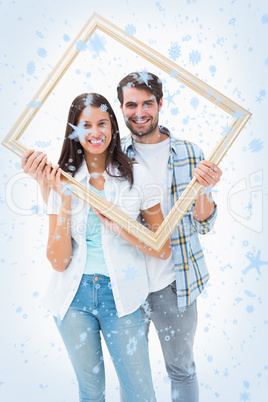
(94, 278)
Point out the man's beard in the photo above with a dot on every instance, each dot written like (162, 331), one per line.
(150, 130)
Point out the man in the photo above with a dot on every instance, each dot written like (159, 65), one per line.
(175, 283)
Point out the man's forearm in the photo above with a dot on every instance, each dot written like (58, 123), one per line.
(204, 207)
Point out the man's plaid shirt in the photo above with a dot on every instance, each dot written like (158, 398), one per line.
(189, 261)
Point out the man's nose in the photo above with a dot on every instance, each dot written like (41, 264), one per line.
(139, 111)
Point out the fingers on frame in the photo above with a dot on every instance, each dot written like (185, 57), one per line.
(33, 160)
(211, 165)
(214, 175)
(201, 180)
(25, 157)
(42, 162)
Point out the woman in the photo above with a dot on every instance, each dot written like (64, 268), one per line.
(99, 278)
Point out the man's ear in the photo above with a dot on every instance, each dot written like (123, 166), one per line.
(160, 104)
(121, 106)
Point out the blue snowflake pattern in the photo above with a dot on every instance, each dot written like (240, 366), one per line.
(81, 45)
(173, 74)
(256, 145)
(66, 38)
(232, 21)
(249, 293)
(244, 396)
(174, 51)
(246, 384)
(174, 111)
(249, 207)
(144, 77)
(97, 44)
(78, 132)
(132, 346)
(212, 70)
(83, 336)
(88, 101)
(30, 68)
(264, 19)
(220, 41)
(41, 52)
(42, 144)
(238, 115)
(34, 104)
(194, 57)
(130, 273)
(130, 29)
(194, 103)
(208, 191)
(250, 309)
(39, 34)
(255, 262)
(226, 129)
(169, 98)
(186, 38)
(103, 108)
(35, 209)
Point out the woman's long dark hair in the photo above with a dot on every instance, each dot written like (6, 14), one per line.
(72, 153)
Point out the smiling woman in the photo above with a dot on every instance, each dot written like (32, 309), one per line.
(97, 126)
(99, 277)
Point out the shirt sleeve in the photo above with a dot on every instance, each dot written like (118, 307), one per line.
(54, 203)
(150, 191)
(204, 227)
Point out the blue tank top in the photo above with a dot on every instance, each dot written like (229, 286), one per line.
(95, 263)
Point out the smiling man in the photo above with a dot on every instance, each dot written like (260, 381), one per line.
(175, 283)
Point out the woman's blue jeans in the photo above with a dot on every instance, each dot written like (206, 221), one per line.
(93, 310)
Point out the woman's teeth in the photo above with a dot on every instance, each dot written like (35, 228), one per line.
(97, 141)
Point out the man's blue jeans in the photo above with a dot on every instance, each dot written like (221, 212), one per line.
(176, 330)
(93, 310)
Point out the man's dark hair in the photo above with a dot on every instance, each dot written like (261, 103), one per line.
(142, 80)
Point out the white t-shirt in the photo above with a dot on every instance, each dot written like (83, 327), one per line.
(155, 158)
(125, 264)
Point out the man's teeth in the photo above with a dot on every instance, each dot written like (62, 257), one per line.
(141, 121)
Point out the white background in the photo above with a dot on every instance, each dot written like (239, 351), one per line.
(230, 36)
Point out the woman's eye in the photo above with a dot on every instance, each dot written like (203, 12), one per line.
(104, 124)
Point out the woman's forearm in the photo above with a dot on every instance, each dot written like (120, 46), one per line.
(59, 248)
(45, 189)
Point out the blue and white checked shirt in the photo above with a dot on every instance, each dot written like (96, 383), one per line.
(189, 262)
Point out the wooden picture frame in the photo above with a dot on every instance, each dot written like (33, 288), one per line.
(240, 117)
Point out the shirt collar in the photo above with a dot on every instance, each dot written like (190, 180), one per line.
(129, 142)
(82, 172)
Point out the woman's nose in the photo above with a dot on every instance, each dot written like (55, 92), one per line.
(94, 131)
